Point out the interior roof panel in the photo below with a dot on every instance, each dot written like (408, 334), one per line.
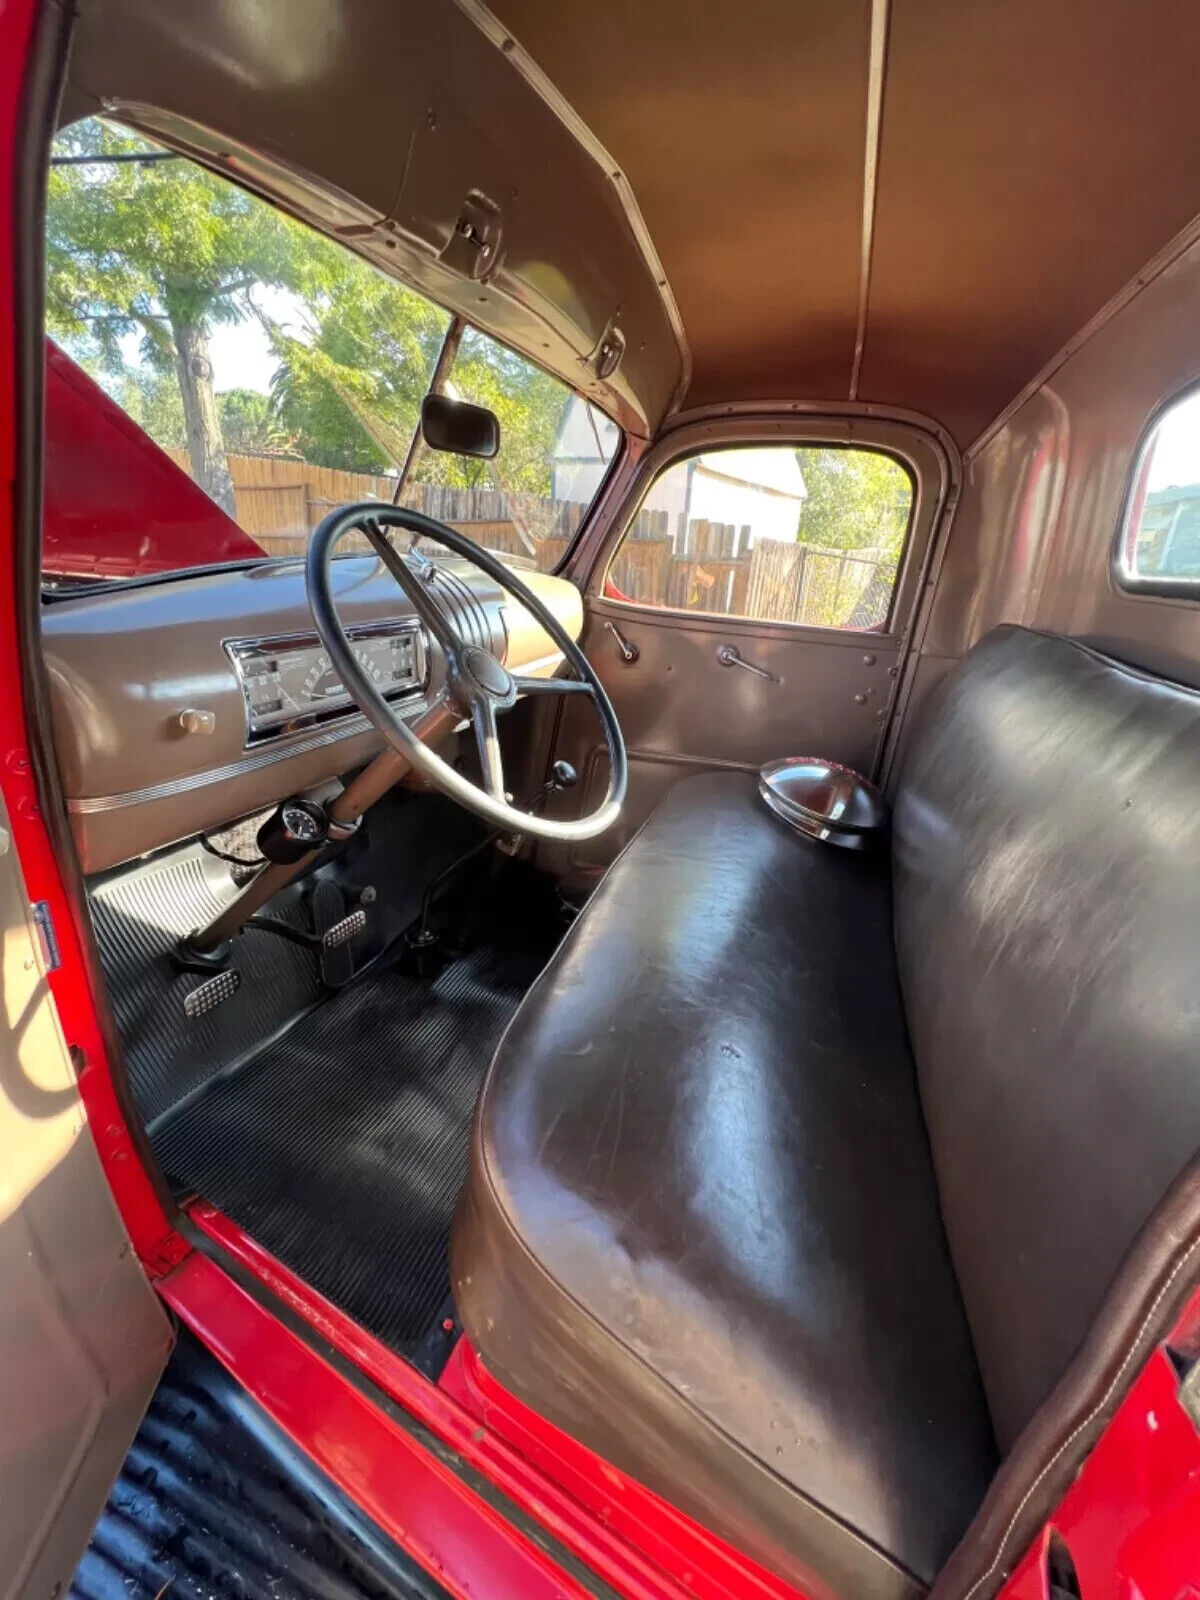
(1033, 158)
(741, 129)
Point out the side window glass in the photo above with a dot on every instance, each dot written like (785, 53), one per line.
(808, 534)
(1160, 543)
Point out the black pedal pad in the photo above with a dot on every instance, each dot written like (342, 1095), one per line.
(198, 1002)
(329, 924)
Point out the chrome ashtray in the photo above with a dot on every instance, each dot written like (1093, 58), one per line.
(824, 800)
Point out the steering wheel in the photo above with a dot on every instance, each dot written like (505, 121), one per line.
(478, 686)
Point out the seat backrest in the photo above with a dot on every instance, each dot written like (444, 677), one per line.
(1047, 887)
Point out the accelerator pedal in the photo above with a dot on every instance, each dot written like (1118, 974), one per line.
(206, 996)
(335, 928)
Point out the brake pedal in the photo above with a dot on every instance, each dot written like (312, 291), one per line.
(205, 997)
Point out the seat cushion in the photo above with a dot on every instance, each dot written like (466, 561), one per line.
(700, 1231)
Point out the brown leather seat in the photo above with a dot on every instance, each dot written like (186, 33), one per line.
(702, 1230)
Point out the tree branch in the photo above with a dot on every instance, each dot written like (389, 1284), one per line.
(234, 287)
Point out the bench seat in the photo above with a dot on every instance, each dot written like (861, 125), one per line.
(702, 1231)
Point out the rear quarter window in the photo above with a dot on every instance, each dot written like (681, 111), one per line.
(1159, 547)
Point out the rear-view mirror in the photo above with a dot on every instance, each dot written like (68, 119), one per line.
(458, 427)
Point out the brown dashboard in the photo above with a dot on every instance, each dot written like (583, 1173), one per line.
(182, 705)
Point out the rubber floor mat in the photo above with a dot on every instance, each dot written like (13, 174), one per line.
(342, 1146)
(215, 1503)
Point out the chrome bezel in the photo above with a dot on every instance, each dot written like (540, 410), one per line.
(258, 730)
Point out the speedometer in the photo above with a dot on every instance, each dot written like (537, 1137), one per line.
(320, 682)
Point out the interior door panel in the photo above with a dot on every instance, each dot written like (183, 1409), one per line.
(83, 1337)
(684, 711)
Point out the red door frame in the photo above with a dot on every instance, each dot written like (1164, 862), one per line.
(1131, 1516)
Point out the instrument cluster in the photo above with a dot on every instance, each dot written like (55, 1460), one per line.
(290, 683)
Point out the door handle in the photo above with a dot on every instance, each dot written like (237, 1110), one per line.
(730, 656)
(629, 652)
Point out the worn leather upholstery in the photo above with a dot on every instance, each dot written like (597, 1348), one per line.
(1046, 847)
(701, 1230)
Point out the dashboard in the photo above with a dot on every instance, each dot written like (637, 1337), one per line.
(181, 705)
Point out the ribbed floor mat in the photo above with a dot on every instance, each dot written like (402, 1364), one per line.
(343, 1145)
(214, 1500)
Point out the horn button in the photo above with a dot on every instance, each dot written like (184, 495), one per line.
(487, 676)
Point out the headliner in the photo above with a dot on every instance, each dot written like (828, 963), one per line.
(1031, 158)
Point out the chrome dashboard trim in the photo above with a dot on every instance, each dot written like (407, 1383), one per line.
(238, 650)
(264, 756)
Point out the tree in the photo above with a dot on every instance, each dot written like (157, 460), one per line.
(153, 400)
(529, 404)
(856, 499)
(349, 391)
(163, 252)
(249, 422)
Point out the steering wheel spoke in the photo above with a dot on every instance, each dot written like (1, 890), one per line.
(487, 740)
(423, 603)
(553, 686)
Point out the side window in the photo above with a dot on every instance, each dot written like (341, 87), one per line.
(808, 534)
(1160, 541)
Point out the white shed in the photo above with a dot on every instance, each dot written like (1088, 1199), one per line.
(760, 488)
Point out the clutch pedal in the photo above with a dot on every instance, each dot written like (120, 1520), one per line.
(205, 997)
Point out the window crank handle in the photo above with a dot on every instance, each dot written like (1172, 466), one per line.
(629, 652)
(729, 656)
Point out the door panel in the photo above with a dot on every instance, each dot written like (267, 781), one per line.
(711, 519)
(83, 1337)
(682, 711)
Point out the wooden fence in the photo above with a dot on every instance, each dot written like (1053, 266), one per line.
(712, 567)
(692, 565)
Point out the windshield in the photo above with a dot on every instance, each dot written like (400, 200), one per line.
(275, 371)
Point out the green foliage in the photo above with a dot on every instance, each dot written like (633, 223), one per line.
(152, 400)
(857, 499)
(249, 423)
(350, 392)
(136, 249)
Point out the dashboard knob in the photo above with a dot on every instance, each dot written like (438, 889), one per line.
(193, 721)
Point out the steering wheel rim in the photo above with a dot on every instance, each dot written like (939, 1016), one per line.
(472, 686)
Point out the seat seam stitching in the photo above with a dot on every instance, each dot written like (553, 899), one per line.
(1087, 1421)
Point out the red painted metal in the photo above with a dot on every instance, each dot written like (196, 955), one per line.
(634, 1540)
(455, 1533)
(707, 1566)
(116, 506)
(152, 1235)
(1131, 1519)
